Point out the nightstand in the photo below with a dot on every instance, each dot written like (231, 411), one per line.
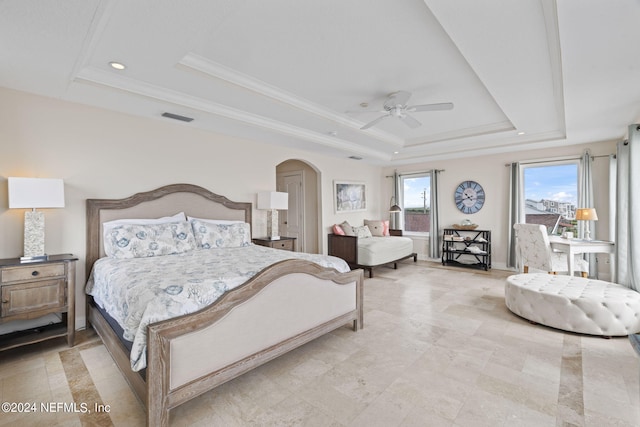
(30, 290)
(284, 243)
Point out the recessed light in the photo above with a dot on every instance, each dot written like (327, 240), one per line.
(520, 133)
(396, 152)
(117, 65)
(333, 133)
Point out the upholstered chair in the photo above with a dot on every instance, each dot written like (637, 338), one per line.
(534, 251)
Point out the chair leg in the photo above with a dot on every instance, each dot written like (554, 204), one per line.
(525, 269)
(584, 274)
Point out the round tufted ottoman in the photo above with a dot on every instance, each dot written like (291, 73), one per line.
(574, 304)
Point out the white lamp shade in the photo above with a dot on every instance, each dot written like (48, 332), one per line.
(36, 193)
(273, 200)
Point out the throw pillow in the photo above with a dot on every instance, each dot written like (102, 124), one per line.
(338, 230)
(348, 229)
(362, 232)
(376, 227)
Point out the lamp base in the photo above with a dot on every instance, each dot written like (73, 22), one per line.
(272, 224)
(33, 234)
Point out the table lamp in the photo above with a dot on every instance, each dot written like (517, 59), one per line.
(586, 214)
(32, 193)
(272, 201)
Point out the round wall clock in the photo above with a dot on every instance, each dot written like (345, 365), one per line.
(469, 197)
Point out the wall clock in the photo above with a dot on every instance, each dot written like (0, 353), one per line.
(469, 197)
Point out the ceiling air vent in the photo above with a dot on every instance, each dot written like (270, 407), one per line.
(355, 157)
(177, 117)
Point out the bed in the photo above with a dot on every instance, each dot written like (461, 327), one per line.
(287, 304)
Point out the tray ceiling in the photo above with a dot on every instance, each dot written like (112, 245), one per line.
(531, 75)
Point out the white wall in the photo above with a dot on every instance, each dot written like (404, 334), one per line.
(493, 175)
(104, 154)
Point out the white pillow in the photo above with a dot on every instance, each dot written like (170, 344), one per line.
(214, 221)
(110, 225)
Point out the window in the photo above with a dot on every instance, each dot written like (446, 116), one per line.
(415, 202)
(551, 195)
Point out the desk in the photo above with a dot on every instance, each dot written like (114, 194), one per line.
(579, 246)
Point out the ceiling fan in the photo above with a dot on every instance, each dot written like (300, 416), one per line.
(395, 105)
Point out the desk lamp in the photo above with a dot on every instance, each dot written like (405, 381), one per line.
(586, 214)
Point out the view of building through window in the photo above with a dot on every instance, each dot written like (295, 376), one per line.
(416, 197)
(551, 196)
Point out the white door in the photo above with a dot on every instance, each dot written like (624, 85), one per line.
(291, 221)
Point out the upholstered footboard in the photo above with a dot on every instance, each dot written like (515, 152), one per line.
(286, 305)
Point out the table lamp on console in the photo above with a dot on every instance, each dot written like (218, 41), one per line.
(35, 193)
(273, 201)
(586, 215)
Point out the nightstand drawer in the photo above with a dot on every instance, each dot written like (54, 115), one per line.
(284, 243)
(287, 245)
(35, 272)
(34, 297)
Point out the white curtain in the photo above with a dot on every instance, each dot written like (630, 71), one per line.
(395, 217)
(434, 226)
(516, 211)
(613, 173)
(586, 200)
(628, 204)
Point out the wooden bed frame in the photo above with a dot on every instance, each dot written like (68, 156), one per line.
(284, 306)
(346, 247)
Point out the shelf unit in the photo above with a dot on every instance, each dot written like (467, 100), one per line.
(456, 246)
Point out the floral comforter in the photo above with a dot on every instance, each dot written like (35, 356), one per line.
(140, 291)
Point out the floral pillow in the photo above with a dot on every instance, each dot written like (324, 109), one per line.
(362, 232)
(209, 235)
(148, 240)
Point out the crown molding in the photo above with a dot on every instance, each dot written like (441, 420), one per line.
(215, 70)
(107, 79)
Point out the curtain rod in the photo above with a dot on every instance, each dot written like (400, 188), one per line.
(560, 159)
(416, 173)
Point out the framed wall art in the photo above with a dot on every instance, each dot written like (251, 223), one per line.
(349, 196)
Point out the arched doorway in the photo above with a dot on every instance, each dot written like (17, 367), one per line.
(302, 220)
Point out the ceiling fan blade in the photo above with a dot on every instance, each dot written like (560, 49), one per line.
(375, 122)
(410, 121)
(431, 107)
(397, 98)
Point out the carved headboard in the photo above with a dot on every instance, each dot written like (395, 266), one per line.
(164, 201)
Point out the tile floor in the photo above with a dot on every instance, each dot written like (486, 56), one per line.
(439, 348)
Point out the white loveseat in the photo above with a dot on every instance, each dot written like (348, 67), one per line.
(373, 247)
